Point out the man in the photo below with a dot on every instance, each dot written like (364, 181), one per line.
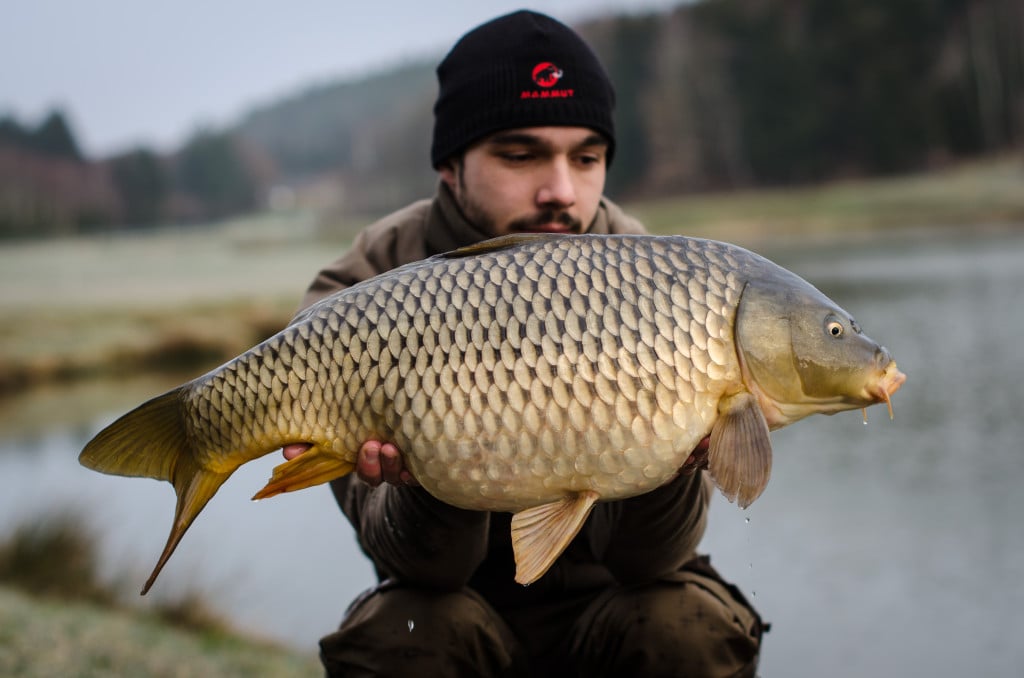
(523, 136)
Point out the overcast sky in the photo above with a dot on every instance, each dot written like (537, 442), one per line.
(130, 71)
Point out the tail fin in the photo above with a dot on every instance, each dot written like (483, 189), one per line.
(151, 442)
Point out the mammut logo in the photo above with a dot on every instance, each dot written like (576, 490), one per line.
(546, 75)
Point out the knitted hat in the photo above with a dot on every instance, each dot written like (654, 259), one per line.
(520, 70)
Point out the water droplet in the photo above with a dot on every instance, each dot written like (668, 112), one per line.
(747, 520)
(412, 625)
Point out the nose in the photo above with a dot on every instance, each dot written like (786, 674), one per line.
(557, 189)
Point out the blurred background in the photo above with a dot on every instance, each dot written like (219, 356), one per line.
(171, 178)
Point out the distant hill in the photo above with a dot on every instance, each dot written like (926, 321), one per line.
(369, 137)
(712, 95)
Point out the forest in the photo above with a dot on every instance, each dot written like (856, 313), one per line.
(713, 95)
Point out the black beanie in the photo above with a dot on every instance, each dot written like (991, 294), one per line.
(520, 70)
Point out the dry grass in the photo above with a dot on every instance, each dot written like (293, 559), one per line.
(171, 300)
(982, 194)
(58, 617)
(40, 638)
(59, 345)
(54, 557)
(57, 556)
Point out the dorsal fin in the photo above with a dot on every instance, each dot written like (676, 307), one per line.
(503, 242)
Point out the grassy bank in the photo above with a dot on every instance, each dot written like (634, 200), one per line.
(984, 194)
(44, 637)
(177, 299)
(60, 616)
(184, 300)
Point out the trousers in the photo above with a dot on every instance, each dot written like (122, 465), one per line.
(689, 623)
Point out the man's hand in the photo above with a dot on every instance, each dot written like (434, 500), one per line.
(698, 459)
(376, 463)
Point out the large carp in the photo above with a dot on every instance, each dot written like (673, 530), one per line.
(532, 374)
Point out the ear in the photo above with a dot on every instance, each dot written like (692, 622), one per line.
(449, 173)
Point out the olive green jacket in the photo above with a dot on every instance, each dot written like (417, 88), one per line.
(414, 538)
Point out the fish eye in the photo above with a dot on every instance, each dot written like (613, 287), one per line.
(835, 328)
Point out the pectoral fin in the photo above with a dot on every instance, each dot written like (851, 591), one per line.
(541, 533)
(310, 468)
(740, 454)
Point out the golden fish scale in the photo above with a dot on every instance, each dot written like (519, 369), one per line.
(507, 379)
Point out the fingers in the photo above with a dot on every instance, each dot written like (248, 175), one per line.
(382, 463)
(390, 464)
(294, 450)
(368, 463)
(698, 459)
(376, 463)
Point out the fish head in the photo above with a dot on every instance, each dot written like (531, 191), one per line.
(802, 354)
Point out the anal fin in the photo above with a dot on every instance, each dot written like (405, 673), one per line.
(310, 468)
(540, 534)
(740, 452)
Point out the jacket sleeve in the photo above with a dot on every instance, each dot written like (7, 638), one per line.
(655, 533)
(413, 537)
(407, 533)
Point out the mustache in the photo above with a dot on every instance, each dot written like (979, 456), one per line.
(547, 217)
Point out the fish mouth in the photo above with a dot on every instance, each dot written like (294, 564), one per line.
(889, 383)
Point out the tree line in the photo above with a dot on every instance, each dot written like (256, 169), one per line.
(712, 95)
(48, 188)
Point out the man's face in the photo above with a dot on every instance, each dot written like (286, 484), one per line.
(531, 180)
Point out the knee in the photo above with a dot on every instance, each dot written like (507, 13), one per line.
(688, 626)
(397, 628)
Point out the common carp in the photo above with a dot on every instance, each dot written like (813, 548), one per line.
(531, 374)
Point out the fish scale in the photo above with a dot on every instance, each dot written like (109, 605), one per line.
(531, 374)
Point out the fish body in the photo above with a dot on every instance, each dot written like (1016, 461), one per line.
(530, 374)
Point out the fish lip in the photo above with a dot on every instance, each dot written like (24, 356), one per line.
(891, 381)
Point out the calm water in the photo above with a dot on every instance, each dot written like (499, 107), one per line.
(891, 549)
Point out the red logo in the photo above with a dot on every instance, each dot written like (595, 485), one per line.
(546, 74)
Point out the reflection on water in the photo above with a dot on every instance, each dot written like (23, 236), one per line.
(887, 549)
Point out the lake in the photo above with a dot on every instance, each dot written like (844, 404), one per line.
(886, 549)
